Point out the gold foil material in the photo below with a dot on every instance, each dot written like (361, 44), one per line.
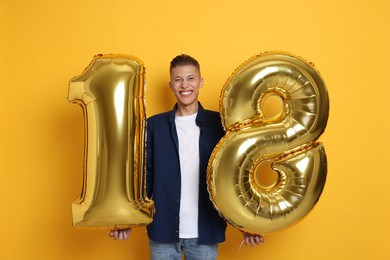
(288, 140)
(111, 93)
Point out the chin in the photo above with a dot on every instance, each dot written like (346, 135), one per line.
(186, 104)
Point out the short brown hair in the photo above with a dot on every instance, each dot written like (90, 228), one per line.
(183, 60)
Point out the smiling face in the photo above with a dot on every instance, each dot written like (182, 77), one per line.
(185, 84)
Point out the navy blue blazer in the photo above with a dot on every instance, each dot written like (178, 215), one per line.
(163, 178)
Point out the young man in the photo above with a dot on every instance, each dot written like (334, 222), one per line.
(179, 145)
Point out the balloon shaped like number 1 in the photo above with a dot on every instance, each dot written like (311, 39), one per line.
(288, 141)
(111, 93)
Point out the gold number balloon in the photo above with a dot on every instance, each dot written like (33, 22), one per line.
(111, 93)
(287, 141)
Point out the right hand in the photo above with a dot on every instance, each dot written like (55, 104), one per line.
(120, 234)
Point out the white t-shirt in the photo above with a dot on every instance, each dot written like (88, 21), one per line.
(188, 134)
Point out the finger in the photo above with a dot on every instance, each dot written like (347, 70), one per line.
(112, 231)
(261, 239)
(252, 241)
(125, 234)
(120, 235)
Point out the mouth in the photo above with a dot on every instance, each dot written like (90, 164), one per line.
(185, 93)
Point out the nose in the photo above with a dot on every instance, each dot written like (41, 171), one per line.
(184, 83)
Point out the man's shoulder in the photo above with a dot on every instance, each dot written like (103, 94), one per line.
(211, 115)
(211, 112)
(160, 116)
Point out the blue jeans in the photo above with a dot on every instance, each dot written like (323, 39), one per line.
(192, 250)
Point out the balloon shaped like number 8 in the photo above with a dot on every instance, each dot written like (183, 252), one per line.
(287, 141)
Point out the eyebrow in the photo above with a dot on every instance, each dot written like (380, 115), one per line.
(185, 76)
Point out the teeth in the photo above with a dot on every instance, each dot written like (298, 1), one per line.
(186, 92)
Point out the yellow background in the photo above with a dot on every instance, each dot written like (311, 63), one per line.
(46, 43)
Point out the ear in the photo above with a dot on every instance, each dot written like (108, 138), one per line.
(201, 82)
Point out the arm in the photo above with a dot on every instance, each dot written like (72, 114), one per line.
(124, 233)
(149, 160)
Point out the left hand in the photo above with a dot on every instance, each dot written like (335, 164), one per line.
(252, 239)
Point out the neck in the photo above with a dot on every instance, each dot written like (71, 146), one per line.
(187, 110)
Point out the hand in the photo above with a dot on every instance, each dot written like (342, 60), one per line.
(252, 239)
(120, 234)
